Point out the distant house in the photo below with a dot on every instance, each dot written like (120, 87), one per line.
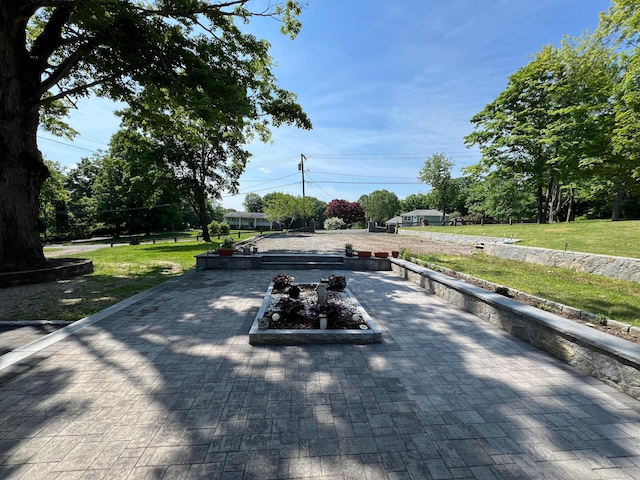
(418, 217)
(248, 220)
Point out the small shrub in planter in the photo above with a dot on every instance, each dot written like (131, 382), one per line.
(226, 247)
(348, 249)
(282, 281)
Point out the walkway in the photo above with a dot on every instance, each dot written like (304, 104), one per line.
(168, 387)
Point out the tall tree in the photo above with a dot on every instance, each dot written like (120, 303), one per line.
(622, 24)
(416, 201)
(554, 122)
(501, 194)
(437, 173)
(80, 180)
(53, 196)
(252, 202)
(380, 205)
(151, 200)
(281, 207)
(52, 53)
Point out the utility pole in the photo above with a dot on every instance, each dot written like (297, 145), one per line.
(301, 168)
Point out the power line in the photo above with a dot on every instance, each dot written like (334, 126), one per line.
(360, 176)
(260, 190)
(375, 183)
(313, 182)
(66, 144)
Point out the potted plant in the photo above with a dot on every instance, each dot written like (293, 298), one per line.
(348, 249)
(246, 249)
(363, 254)
(381, 254)
(226, 247)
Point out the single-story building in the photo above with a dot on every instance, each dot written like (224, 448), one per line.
(416, 218)
(248, 220)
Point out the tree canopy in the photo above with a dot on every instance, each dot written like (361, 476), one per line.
(253, 202)
(190, 51)
(380, 205)
(558, 125)
(348, 212)
(437, 173)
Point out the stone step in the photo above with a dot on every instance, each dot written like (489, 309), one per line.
(301, 259)
(302, 265)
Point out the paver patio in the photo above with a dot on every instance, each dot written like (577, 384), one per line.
(169, 387)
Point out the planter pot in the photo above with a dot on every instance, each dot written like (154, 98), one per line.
(364, 254)
(382, 254)
(348, 252)
(323, 322)
(395, 253)
(225, 252)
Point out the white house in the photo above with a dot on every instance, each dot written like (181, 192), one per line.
(416, 217)
(248, 220)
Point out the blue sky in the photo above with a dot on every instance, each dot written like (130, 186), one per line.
(385, 83)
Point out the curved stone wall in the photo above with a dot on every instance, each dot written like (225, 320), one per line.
(622, 268)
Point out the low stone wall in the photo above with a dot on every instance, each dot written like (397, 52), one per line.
(605, 357)
(56, 269)
(622, 268)
(207, 261)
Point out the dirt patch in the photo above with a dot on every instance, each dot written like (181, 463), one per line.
(383, 242)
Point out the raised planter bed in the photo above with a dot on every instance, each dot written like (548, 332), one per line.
(258, 336)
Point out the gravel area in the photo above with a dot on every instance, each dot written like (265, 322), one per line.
(334, 241)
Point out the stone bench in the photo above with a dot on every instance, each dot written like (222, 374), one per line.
(606, 357)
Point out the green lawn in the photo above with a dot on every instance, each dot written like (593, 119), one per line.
(160, 237)
(119, 273)
(615, 299)
(592, 236)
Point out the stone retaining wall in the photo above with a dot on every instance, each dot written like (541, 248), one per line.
(605, 357)
(622, 268)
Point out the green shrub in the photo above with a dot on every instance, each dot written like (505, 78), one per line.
(334, 223)
(214, 228)
(224, 228)
(227, 242)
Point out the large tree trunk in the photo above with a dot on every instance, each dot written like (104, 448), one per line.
(22, 171)
(554, 201)
(540, 216)
(22, 174)
(202, 215)
(617, 201)
(571, 208)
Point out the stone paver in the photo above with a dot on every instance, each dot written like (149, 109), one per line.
(169, 387)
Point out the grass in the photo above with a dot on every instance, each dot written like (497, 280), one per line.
(615, 299)
(593, 236)
(167, 237)
(119, 273)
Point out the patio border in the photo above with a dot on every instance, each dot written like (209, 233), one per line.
(608, 358)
